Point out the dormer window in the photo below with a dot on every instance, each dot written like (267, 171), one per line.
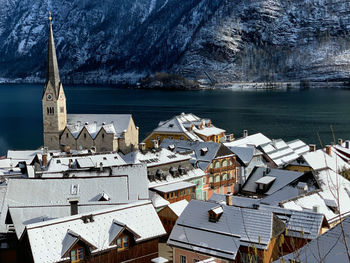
(123, 242)
(204, 151)
(215, 213)
(77, 255)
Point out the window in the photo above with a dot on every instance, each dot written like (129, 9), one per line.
(210, 179)
(77, 255)
(224, 177)
(195, 260)
(181, 138)
(123, 242)
(224, 163)
(217, 178)
(217, 165)
(67, 135)
(182, 259)
(103, 135)
(61, 109)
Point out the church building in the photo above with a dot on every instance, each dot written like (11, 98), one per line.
(103, 132)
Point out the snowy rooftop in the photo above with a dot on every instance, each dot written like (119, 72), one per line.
(56, 235)
(156, 158)
(111, 123)
(157, 200)
(194, 231)
(255, 140)
(173, 187)
(178, 207)
(320, 160)
(333, 187)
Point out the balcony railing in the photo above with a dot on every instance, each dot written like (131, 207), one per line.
(222, 183)
(221, 169)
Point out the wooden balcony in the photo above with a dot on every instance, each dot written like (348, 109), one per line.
(222, 183)
(222, 169)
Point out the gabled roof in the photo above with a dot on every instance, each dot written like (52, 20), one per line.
(245, 154)
(111, 123)
(282, 153)
(236, 227)
(117, 228)
(70, 240)
(140, 217)
(320, 160)
(173, 187)
(282, 179)
(333, 187)
(178, 207)
(328, 248)
(204, 152)
(157, 200)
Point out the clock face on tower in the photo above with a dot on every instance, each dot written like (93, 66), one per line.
(49, 96)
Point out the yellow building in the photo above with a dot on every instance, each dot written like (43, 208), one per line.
(185, 127)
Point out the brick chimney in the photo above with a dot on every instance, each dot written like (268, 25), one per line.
(329, 150)
(229, 198)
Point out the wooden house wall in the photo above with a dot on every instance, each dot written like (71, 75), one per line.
(168, 218)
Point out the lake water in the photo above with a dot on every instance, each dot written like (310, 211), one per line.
(277, 114)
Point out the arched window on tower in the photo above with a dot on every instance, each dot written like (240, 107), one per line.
(48, 110)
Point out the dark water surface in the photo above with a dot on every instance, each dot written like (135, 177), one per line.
(288, 115)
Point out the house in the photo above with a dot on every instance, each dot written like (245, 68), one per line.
(215, 159)
(26, 201)
(329, 247)
(171, 174)
(169, 214)
(115, 234)
(249, 157)
(225, 233)
(185, 127)
(301, 226)
(104, 132)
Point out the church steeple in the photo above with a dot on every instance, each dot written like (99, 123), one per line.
(52, 72)
(54, 99)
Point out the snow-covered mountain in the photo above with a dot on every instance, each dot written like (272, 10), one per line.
(228, 40)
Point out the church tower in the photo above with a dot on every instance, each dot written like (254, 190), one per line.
(54, 99)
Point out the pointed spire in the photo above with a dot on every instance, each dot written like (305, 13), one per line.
(52, 73)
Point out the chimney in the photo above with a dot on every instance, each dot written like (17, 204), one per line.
(155, 144)
(340, 142)
(312, 147)
(70, 163)
(245, 133)
(302, 188)
(73, 205)
(347, 144)
(142, 146)
(329, 149)
(229, 198)
(101, 167)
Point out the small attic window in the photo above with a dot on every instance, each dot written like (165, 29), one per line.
(105, 158)
(204, 151)
(171, 125)
(58, 161)
(104, 197)
(332, 205)
(215, 213)
(74, 189)
(171, 147)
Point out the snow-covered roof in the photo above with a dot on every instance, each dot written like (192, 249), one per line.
(56, 192)
(333, 187)
(265, 180)
(282, 153)
(167, 188)
(155, 158)
(328, 248)
(178, 207)
(320, 160)
(140, 217)
(236, 227)
(111, 123)
(255, 140)
(282, 179)
(85, 161)
(157, 200)
(189, 124)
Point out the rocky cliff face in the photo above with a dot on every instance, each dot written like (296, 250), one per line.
(225, 40)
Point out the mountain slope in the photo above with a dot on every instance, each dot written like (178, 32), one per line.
(229, 40)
